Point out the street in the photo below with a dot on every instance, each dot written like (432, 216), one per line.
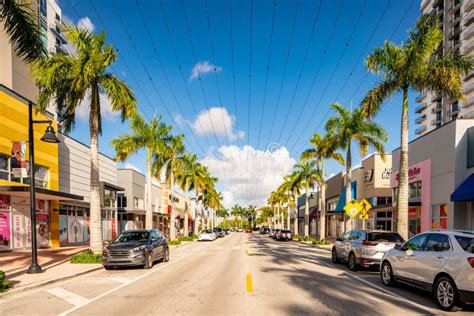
(240, 274)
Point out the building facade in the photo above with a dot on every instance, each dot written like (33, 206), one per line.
(456, 18)
(440, 163)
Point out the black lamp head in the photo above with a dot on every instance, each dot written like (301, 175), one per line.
(50, 135)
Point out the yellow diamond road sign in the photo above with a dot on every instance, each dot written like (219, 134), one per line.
(352, 208)
(363, 216)
(365, 206)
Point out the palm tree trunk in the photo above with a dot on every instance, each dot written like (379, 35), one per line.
(196, 222)
(295, 224)
(402, 200)
(149, 211)
(322, 209)
(186, 211)
(289, 210)
(172, 216)
(348, 219)
(306, 211)
(95, 211)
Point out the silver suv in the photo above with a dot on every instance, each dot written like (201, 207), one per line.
(441, 262)
(364, 247)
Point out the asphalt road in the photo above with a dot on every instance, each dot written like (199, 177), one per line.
(241, 274)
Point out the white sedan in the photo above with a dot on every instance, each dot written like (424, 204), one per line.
(207, 235)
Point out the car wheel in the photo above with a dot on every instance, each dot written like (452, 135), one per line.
(352, 262)
(107, 267)
(446, 294)
(148, 261)
(386, 274)
(334, 257)
(166, 255)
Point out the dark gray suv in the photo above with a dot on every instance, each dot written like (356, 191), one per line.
(136, 248)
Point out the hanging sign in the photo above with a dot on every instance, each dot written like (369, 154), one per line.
(352, 208)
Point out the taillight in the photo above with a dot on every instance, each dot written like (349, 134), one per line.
(369, 243)
(471, 261)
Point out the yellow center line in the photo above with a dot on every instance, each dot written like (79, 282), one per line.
(246, 252)
(248, 282)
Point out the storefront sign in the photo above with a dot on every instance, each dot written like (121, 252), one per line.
(369, 175)
(5, 202)
(18, 231)
(412, 173)
(5, 242)
(386, 173)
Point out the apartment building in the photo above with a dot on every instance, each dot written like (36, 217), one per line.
(15, 72)
(456, 18)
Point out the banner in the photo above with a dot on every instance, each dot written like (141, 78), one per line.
(75, 232)
(5, 242)
(17, 161)
(62, 229)
(5, 202)
(42, 230)
(18, 231)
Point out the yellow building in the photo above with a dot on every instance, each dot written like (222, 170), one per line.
(15, 224)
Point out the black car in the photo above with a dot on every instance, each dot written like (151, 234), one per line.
(136, 248)
(264, 230)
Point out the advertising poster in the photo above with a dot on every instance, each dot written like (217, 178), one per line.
(17, 161)
(62, 229)
(5, 202)
(87, 229)
(5, 242)
(28, 232)
(42, 230)
(114, 229)
(75, 229)
(18, 231)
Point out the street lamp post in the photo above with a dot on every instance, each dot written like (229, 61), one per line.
(48, 137)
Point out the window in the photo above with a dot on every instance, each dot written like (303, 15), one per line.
(41, 176)
(415, 189)
(109, 198)
(383, 236)
(466, 243)
(416, 243)
(437, 242)
(347, 236)
(121, 200)
(439, 216)
(384, 200)
(355, 235)
(4, 167)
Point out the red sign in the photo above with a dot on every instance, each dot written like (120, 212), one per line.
(114, 229)
(412, 172)
(5, 201)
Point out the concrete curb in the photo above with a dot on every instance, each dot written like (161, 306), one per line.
(16, 290)
(183, 243)
(327, 248)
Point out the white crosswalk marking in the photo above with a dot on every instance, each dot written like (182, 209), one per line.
(71, 298)
(122, 280)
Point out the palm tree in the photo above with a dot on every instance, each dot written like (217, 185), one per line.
(309, 175)
(186, 179)
(171, 161)
(352, 126)
(413, 65)
(200, 175)
(21, 24)
(324, 148)
(252, 211)
(237, 212)
(151, 135)
(292, 184)
(84, 77)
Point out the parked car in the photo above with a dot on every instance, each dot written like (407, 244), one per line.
(207, 235)
(219, 232)
(264, 230)
(271, 233)
(284, 234)
(275, 233)
(136, 248)
(239, 230)
(441, 262)
(248, 230)
(364, 247)
(227, 231)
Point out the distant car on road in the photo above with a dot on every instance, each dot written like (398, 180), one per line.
(441, 262)
(248, 230)
(207, 235)
(227, 231)
(283, 234)
(239, 230)
(219, 232)
(136, 248)
(264, 230)
(275, 233)
(364, 247)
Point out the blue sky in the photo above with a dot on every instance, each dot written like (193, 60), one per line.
(209, 116)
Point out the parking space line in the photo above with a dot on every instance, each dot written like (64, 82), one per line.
(71, 298)
(122, 280)
(248, 283)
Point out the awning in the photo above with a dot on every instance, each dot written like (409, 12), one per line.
(313, 212)
(342, 198)
(465, 192)
(40, 193)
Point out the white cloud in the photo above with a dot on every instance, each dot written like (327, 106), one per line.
(82, 110)
(215, 120)
(203, 67)
(132, 166)
(86, 23)
(246, 175)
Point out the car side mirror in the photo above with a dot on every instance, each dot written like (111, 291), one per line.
(398, 246)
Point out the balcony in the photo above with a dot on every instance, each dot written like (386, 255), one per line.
(456, 43)
(468, 103)
(469, 19)
(436, 121)
(420, 97)
(468, 5)
(57, 32)
(420, 130)
(435, 98)
(420, 108)
(456, 31)
(456, 17)
(455, 5)
(424, 4)
(60, 49)
(469, 48)
(436, 110)
(468, 88)
(420, 119)
(468, 33)
(454, 109)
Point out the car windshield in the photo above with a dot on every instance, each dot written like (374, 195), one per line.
(466, 243)
(207, 231)
(132, 237)
(383, 236)
(285, 231)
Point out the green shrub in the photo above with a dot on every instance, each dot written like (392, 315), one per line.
(87, 257)
(174, 242)
(195, 237)
(4, 283)
(321, 242)
(185, 238)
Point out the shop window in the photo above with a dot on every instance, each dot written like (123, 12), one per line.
(5, 167)
(121, 200)
(384, 200)
(415, 189)
(109, 198)
(414, 221)
(41, 176)
(439, 216)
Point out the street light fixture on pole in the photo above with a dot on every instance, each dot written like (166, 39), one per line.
(48, 137)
